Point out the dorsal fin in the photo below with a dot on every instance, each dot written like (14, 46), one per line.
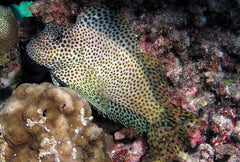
(110, 24)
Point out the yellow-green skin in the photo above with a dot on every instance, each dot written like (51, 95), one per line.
(99, 57)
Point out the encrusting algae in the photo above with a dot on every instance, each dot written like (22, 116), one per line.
(100, 58)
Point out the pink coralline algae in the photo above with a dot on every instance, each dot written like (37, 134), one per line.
(59, 11)
(153, 41)
(224, 120)
(204, 153)
(202, 65)
(190, 98)
(236, 131)
(229, 89)
(131, 152)
(196, 139)
(228, 62)
(172, 67)
(159, 45)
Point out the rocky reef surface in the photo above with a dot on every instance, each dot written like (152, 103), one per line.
(198, 44)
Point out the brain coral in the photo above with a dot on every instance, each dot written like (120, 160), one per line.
(8, 29)
(48, 123)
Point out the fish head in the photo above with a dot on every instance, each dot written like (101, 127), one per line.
(53, 47)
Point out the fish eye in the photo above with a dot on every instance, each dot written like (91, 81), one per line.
(58, 37)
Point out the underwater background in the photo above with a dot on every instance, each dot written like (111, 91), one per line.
(197, 44)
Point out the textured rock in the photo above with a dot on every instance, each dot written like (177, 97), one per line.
(49, 123)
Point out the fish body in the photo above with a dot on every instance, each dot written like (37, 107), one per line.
(100, 58)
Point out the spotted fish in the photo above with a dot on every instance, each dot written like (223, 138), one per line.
(100, 58)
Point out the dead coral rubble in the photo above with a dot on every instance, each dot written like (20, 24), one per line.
(49, 123)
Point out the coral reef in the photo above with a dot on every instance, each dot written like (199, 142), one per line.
(130, 152)
(49, 123)
(204, 153)
(8, 30)
(59, 11)
(224, 124)
(9, 52)
(198, 44)
(202, 65)
(10, 70)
